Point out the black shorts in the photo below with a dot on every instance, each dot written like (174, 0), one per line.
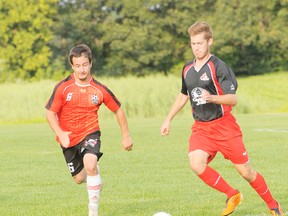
(74, 155)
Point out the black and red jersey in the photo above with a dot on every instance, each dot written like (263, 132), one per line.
(214, 76)
(77, 106)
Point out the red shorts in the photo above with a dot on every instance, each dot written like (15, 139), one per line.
(221, 135)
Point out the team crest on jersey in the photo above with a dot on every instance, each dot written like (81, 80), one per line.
(69, 96)
(196, 95)
(91, 142)
(95, 99)
(204, 77)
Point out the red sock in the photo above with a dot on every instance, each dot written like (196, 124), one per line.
(262, 189)
(214, 180)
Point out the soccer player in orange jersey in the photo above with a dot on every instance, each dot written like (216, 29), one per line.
(72, 113)
(211, 86)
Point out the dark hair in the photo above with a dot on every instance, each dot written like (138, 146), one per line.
(78, 51)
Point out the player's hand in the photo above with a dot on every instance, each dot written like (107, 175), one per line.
(64, 138)
(165, 128)
(127, 143)
(207, 96)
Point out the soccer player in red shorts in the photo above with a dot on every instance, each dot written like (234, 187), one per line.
(211, 87)
(72, 113)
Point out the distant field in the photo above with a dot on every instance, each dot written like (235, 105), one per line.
(263, 94)
(143, 97)
(154, 177)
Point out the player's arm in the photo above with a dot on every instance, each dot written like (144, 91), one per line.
(179, 103)
(122, 121)
(54, 124)
(228, 83)
(227, 99)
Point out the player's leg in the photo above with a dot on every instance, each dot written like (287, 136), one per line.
(199, 160)
(81, 159)
(198, 163)
(75, 163)
(236, 152)
(80, 177)
(258, 182)
(93, 182)
(201, 152)
(91, 154)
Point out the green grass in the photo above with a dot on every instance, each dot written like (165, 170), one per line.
(154, 177)
(263, 94)
(144, 97)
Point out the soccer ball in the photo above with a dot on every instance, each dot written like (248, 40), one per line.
(161, 214)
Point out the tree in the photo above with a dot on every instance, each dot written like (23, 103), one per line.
(126, 37)
(24, 36)
(77, 22)
(248, 34)
(148, 36)
(138, 37)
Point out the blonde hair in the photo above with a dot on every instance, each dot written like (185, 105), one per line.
(201, 27)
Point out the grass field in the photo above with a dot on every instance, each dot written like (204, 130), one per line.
(143, 97)
(154, 177)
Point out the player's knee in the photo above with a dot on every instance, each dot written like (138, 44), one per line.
(248, 174)
(198, 168)
(79, 179)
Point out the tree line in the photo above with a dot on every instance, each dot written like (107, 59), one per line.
(138, 37)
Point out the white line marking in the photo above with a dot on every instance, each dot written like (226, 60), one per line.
(271, 130)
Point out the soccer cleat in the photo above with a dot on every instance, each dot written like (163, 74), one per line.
(231, 204)
(277, 211)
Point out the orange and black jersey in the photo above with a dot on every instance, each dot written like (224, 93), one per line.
(214, 76)
(77, 106)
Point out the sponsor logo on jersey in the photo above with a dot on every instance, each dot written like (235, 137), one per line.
(204, 77)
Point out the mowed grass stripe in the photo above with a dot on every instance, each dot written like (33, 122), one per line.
(154, 177)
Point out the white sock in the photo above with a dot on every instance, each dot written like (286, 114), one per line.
(93, 185)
